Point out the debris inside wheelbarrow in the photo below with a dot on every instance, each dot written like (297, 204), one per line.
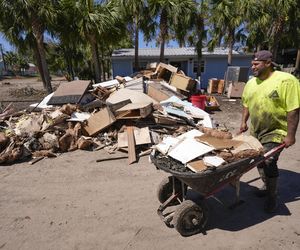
(206, 179)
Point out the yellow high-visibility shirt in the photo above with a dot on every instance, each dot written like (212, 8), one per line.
(268, 102)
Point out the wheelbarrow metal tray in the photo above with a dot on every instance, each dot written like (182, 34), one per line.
(211, 179)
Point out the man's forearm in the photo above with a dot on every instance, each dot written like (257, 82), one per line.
(245, 115)
(292, 122)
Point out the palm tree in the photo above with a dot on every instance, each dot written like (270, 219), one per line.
(93, 20)
(226, 19)
(199, 32)
(170, 13)
(134, 10)
(26, 29)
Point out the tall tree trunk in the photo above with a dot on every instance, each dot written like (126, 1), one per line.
(95, 58)
(231, 44)
(297, 65)
(39, 37)
(200, 33)
(163, 33)
(136, 44)
(38, 62)
(276, 36)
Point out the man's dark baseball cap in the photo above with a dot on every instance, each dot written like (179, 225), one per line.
(264, 55)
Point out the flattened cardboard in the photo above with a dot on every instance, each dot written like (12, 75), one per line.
(70, 92)
(99, 121)
(218, 143)
(141, 136)
(247, 142)
(182, 82)
(134, 110)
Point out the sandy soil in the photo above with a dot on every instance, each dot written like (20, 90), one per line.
(73, 202)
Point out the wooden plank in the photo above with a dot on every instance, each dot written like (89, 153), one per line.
(196, 166)
(131, 145)
(141, 136)
(99, 121)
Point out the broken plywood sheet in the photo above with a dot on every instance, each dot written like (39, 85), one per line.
(134, 110)
(131, 145)
(133, 96)
(196, 166)
(141, 136)
(218, 143)
(188, 150)
(118, 105)
(70, 92)
(99, 121)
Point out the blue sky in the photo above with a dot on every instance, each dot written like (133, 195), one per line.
(6, 46)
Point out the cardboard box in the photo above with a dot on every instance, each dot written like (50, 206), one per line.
(182, 82)
(235, 90)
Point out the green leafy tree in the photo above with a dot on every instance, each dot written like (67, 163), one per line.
(135, 13)
(199, 31)
(93, 20)
(23, 24)
(170, 14)
(226, 20)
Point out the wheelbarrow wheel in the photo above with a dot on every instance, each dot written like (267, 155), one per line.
(190, 218)
(165, 190)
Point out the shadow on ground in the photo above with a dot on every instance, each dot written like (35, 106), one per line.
(251, 211)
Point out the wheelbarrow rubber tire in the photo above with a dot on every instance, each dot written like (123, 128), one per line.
(165, 190)
(190, 218)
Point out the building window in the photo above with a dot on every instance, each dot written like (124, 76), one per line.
(196, 65)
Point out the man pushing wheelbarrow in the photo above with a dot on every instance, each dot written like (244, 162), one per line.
(271, 99)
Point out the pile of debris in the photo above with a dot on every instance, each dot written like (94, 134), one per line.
(124, 114)
(204, 149)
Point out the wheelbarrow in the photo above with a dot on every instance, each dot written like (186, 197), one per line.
(190, 218)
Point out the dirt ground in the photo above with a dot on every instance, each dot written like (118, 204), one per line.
(73, 202)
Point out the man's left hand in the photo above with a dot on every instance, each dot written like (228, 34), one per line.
(289, 141)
